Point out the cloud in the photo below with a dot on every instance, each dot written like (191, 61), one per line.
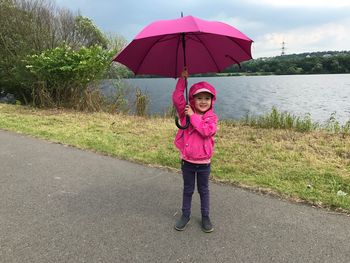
(305, 25)
(302, 3)
(242, 24)
(326, 37)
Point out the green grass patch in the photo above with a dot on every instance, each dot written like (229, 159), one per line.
(285, 120)
(312, 166)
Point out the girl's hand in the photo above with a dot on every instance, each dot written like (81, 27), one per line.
(188, 110)
(184, 73)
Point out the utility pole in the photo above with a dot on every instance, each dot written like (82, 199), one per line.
(283, 48)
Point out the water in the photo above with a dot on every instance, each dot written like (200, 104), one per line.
(319, 95)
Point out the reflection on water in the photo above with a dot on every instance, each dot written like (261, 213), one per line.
(319, 95)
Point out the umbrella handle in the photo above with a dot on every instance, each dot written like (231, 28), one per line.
(179, 125)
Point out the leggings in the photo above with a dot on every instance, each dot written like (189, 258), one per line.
(189, 173)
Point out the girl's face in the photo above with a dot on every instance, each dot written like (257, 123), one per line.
(202, 102)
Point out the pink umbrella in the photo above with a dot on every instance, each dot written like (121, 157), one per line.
(165, 47)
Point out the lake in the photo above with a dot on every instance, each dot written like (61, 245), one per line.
(319, 95)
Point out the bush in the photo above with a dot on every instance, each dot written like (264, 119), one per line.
(63, 76)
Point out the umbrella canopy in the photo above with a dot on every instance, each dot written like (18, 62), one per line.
(164, 47)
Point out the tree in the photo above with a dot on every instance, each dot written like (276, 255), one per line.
(87, 34)
(15, 41)
(31, 26)
(317, 68)
(335, 66)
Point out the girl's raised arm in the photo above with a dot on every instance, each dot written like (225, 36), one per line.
(178, 94)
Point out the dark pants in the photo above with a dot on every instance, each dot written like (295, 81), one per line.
(189, 173)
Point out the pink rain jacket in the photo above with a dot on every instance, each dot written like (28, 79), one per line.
(196, 143)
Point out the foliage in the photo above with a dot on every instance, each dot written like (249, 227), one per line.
(64, 74)
(306, 63)
(280, 120)
(121, 98)
(88, 33)
(116, 70)
(333, 125)
(31, 27)
(285, 120)
(170, 111)
(141, 103)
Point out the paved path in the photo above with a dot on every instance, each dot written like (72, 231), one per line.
(61, 204)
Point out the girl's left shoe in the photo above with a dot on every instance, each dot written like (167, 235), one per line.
(207, 226)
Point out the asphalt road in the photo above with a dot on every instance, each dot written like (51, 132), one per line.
(61, 204)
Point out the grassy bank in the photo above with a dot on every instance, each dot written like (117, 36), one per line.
(312, 167)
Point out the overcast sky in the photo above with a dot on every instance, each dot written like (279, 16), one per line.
(304, 25)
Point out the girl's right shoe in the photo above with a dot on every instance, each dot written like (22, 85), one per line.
(182, 223)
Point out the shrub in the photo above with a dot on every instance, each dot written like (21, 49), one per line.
(63, 76)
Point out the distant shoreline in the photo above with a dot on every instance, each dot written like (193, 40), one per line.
(233, 75)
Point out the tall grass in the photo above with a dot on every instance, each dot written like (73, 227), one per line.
(286, 120)
(124, 98)
(141, 103)
(333, 125)
(170, 111)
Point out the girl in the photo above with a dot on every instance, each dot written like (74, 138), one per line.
(196, 146)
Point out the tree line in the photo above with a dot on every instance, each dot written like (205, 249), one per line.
(50, 55)
(330, 62)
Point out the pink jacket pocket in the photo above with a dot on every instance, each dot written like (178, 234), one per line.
(197, 151)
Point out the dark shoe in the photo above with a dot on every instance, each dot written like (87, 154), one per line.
(182, 223)
(207, 226)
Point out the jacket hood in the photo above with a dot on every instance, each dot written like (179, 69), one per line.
(202, 85)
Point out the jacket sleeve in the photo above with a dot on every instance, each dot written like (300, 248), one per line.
(206, 127)
(179, 98)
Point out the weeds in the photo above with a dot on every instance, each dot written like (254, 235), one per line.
(171, 111)
(123, 98)
(141, 103)
(285, 120)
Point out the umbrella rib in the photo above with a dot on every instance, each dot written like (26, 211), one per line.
(239, 46)
(167, 39)
(200, 40)
(228, 56)
(177, 53)
(161, 39)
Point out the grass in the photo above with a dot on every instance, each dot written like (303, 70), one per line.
(303, 166)
(285, 120)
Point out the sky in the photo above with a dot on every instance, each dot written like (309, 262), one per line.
(304, 25)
